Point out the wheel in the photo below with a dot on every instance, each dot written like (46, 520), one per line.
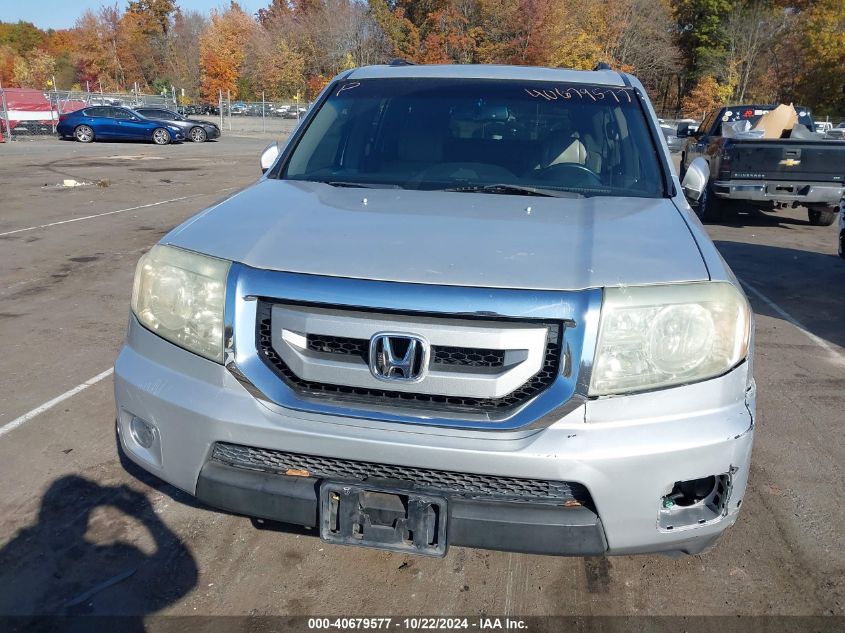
(710, 208)
(161, 136)
(83, 134)
(842, 243)
(821, 217)
(198, 135)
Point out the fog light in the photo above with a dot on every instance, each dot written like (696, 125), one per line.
(142, 432)
(695, 502)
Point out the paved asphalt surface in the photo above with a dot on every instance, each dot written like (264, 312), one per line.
(79, 534)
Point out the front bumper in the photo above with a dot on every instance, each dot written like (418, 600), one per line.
(779, 191)
(627, 451)
(489, 524)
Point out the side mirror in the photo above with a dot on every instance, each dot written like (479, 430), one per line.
(695, 180)
(269, 156)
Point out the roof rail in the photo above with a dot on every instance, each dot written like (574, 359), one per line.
(602, 66)
(401, 62)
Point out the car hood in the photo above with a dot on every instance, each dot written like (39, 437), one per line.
(436, 237)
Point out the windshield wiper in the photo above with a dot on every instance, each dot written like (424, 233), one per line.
(519, 190)
(362, 185)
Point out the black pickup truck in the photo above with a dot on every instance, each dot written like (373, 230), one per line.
(767, 173)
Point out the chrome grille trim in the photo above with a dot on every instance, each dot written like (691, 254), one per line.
(577, 311)
(412, 396)
(526, 348)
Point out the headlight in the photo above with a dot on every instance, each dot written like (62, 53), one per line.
(658, 336)
(180, 296)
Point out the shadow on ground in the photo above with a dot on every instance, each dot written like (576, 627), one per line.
(808, 285)
(752, 216)
(78, 559)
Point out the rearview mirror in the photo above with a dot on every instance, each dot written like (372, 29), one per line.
(695, 180)
(269, 156)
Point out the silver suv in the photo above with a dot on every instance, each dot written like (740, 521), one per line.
(464, 305)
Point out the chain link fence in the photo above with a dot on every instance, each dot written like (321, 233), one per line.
(266, 117)
(28, 112)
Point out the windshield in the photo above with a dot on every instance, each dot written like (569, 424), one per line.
(522, 138)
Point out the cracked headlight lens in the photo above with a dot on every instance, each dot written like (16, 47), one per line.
(180, 295)
(658, 336)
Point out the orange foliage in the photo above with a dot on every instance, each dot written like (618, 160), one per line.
(315, 84)
(222, 51)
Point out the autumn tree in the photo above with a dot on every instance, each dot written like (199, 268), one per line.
(274, 67)
(145, 42)
(701, 28)
(222, 51)
(329, 36)
(705, 96)
(276, 10)
(690, 53)
(822, 47)
(22, 37)
(401, 33)
(97, 59)
(8, 57)
(184, 67)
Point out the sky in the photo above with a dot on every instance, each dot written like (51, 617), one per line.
(62, 14)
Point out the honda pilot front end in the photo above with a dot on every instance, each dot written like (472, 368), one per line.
(465, 305)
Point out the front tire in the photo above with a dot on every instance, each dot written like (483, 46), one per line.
(709, 208)
(198, 135)
(820, 217)
(83, 134)
(842, 243)
(161, 136)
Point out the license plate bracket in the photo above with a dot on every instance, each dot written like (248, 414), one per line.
(383, 518)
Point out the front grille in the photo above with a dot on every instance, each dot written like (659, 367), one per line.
(468, 356)
(338, 345)
(440, 355)
(530, 389)
(444, 481)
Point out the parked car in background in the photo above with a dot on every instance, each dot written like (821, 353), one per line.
(194, 129)
(823, 126)
(114, 123)
(491, 320)
(207, 108)
(675, 142)
(837, 133)
(768, 173)
(294, 112)
(686, 127)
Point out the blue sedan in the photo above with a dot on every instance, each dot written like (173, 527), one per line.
(115, 123)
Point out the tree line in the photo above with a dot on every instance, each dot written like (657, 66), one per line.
(691, 54)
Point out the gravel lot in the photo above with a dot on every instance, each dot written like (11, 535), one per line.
(81, 535)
